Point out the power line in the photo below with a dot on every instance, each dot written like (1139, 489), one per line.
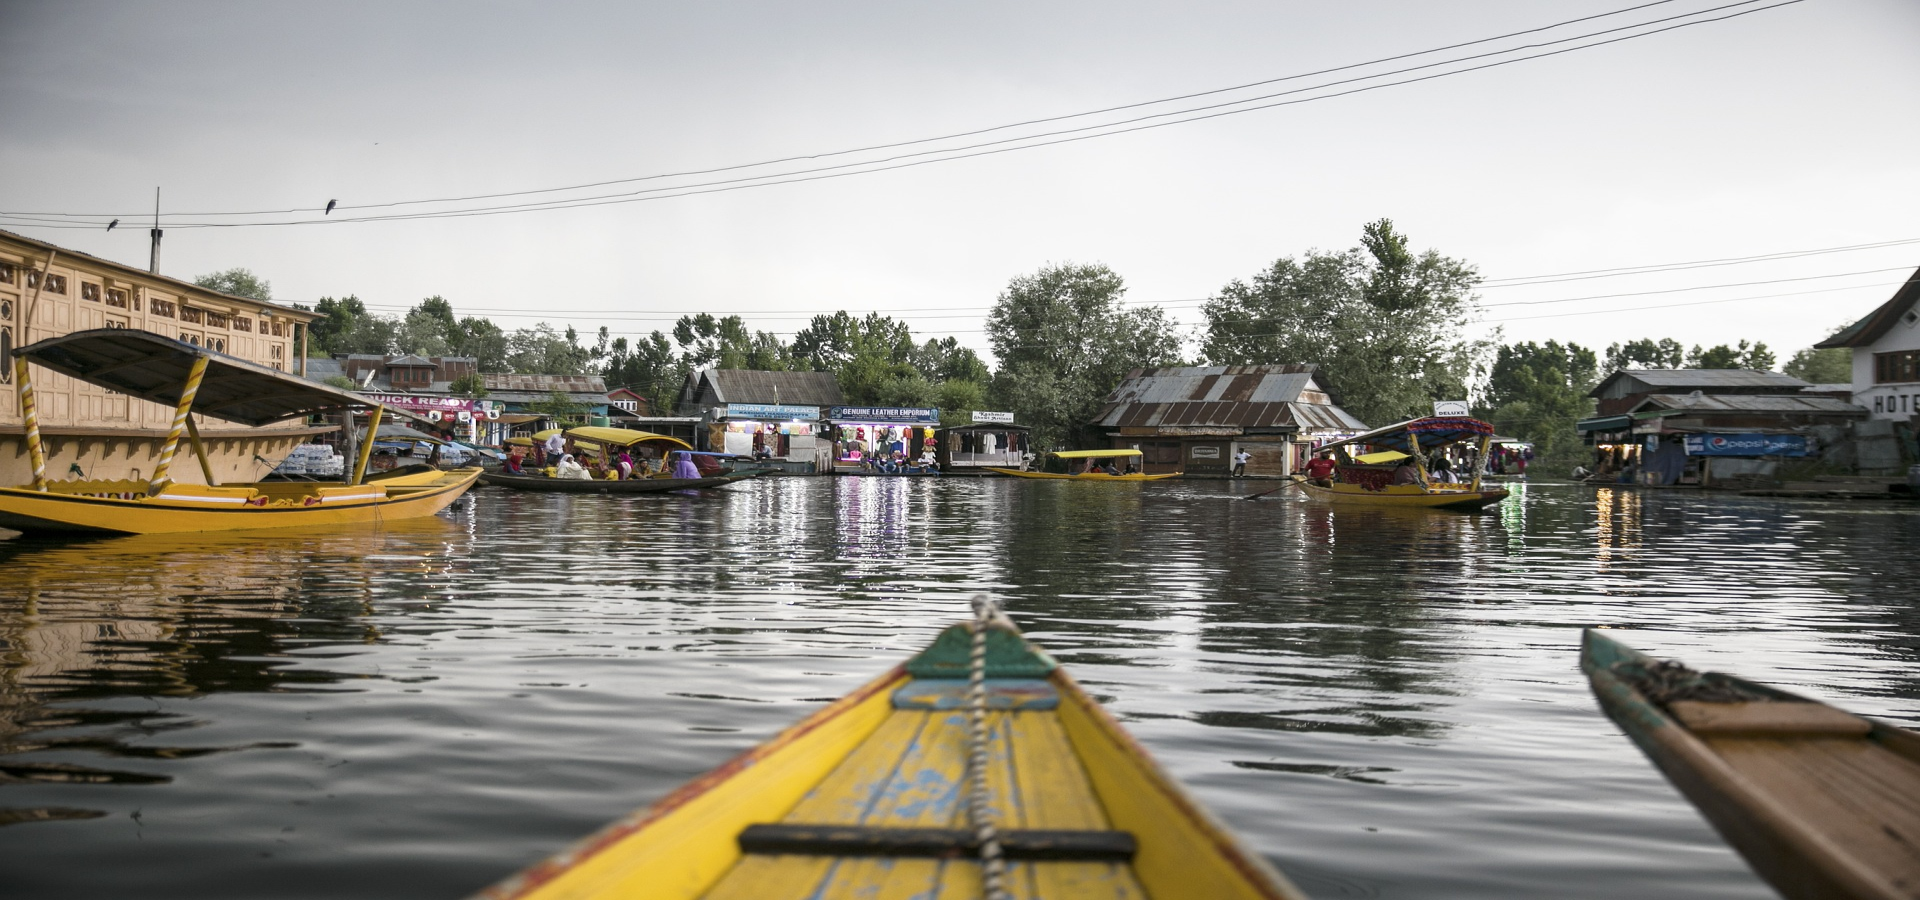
(873, 166)
(1704, 287)
(1596, 312)
(1516, 281)
(944, 137)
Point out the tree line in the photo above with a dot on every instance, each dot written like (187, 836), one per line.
(1386, 324)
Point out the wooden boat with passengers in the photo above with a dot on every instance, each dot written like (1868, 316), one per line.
(1821, 802)
(193, 379)
(598, 443)
(1369, 477)
(976, 769)
(1127, 459)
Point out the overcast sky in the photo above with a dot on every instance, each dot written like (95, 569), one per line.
(1787, 129)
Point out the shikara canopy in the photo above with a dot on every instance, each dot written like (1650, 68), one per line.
(1435, 431)
(1095, 454)
(624, 437)
(152, 367)
(392, 432)
(1384, 456)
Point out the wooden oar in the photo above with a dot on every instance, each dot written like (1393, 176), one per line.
(1290, 483)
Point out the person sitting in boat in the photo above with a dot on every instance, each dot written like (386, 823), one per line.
(623, 464)
(570, 468)
(1441, 469)
(1407, 473)
(1320, 469)
(927, 463)
(1105, 467)
(683, 466)
(512, 464)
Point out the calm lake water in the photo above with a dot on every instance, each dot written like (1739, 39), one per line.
(1385, 704)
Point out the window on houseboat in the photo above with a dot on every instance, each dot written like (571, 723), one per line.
(1903, 365)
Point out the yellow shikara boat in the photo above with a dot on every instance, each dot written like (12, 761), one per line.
(193, 379)
(1366, 479)
(875, 796)
(1821, 802)
(1071, 455)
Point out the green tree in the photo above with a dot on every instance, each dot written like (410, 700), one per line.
(647, 366)
(340, 381)
(1385, 325)
(944, 359)
(239, 282)
(472, 385)
(1064, 342)
(1756, 356)
(557, 406)
(1538, 391)
(350, 328)
(1833, 365)
(958, 398)
(1645, 353)
(541, 350)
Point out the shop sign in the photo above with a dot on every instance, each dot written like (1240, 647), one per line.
(445, 405)
(886, 415)
(1746, 445)
(1204, 452)
(1450, 409)
(771, 411)
(998, 418)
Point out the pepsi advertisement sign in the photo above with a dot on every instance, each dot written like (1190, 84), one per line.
(1746, 445)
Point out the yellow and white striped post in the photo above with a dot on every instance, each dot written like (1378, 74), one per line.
(366, 443)
(23, 378)
(1480, 461)
(180, 412)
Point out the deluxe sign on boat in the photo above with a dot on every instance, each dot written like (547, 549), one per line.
(193, 379)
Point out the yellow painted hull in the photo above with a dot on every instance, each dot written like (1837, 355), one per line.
(864, 762)
(1137, 476)
(121, 508)
(1405, 495)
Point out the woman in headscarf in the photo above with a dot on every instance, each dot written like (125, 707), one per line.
(683, 466)
(623, 462)
(569, 468)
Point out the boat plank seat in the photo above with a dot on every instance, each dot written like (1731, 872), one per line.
(908, 779)
(1767, 717)
(1865, 799)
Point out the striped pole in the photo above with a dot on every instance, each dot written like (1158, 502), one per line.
(180, 412)
(366, 443)
(23, 379)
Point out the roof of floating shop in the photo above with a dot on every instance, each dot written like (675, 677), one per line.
(1877, 323)
(154, 367)
(1272, 396)
(752, 386)
(1715, 380)
(1748, 403)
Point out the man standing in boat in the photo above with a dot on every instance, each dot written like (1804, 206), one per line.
(1320, 469)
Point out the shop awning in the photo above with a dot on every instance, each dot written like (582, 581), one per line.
(1605, 423)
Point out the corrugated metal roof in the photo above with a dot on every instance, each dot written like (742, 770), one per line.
(1223, 396)
(1795, 403)
(792, 388)
(1704, 378)
(547, 384)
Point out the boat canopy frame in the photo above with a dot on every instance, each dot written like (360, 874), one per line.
(1094, 454)
(191, 379)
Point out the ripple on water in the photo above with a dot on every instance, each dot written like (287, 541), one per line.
(1386, 704)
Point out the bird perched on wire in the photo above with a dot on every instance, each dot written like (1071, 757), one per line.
(112, 223)
(330, 204)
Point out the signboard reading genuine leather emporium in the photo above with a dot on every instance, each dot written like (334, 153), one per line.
(886, 415)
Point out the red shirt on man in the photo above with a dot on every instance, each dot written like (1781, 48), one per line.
(1319, 468)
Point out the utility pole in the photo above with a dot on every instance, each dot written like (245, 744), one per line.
(153, 263)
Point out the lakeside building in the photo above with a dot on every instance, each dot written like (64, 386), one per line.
(47, 291)
(1886, 355)
(1196, 419)
(990, 440)
(743, 411)
(1693, 426)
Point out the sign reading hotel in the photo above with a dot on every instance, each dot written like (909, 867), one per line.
(998, 418)
(434, 404)
(1450, 409)
(775, 411)
(886, 415)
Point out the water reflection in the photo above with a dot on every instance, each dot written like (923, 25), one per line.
(1384, 701)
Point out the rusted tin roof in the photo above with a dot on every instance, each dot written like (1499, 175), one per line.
(1277, 396)
(1762, 403)
(546, 384)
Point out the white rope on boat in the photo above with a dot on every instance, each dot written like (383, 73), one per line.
(993, 865)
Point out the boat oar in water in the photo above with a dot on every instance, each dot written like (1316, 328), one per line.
(1290, 483)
